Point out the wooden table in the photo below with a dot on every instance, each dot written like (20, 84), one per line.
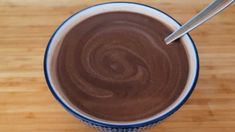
(26, 104)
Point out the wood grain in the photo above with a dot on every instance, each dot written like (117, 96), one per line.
(27, 105)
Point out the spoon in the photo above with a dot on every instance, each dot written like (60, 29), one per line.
(203, 16)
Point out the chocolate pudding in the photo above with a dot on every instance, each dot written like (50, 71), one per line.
(116, 66)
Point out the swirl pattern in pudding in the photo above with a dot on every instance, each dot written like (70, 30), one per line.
(115, 66)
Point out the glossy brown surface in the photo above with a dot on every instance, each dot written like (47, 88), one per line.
(116, 66)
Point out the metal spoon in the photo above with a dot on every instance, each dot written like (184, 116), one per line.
(203, 16)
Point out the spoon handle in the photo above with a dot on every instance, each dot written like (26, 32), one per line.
(207, 13)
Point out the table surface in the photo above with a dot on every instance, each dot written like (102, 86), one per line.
(27, 105)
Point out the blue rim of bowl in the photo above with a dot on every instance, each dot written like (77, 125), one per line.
(122, 126)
